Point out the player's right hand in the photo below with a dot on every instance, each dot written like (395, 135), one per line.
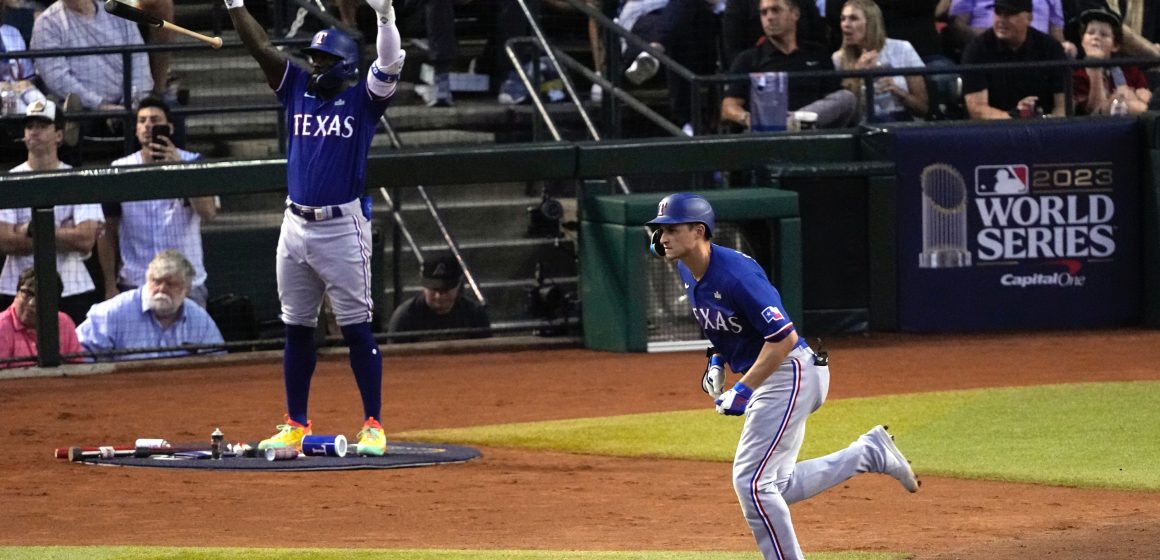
(231, 4)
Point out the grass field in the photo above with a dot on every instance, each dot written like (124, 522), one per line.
(1104, 435)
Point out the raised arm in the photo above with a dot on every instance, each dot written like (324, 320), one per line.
(272, 61)
(384, 72)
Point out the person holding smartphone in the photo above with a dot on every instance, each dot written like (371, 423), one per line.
(136, 231)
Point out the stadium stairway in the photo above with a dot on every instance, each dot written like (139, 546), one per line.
(490, 223)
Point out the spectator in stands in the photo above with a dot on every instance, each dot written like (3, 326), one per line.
(691, 35)
(77, 225)
(95, 79)
(644, 18)
(135, 231)
(970, 18)
(17, 74)
(865, 46)
(781, 52)
(154, 317)
(913, 21)
(685, 30)
(18, 325)
(1095, 88)
(1141, 23)
(441, 306)
(1019, 93)
(742, 29)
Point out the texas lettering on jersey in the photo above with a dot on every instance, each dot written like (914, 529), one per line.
(306, 124)
(714, 320)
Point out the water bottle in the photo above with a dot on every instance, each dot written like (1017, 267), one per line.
(7, 102)
(883, 99)
(216, 439)
(1119, 108)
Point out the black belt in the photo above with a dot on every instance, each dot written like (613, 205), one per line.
(315, 214)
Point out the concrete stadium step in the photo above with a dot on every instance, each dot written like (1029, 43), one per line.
(239, 259)
(497, 260)
(506, 301)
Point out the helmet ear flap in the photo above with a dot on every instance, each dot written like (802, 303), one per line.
(655, 248)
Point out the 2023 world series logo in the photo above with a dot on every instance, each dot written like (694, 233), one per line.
(1058, 214)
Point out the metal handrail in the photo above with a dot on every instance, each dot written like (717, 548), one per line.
(568, 87)
(447, 237)
(397, 213)
(541, 42)
(868, 75)
(620, 93)
(665, 60)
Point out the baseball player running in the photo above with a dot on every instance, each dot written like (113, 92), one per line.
(325, 242)
(782, 380)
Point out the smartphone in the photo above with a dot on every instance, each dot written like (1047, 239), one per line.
(158, 131)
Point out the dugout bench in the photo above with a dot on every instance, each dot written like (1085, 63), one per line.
(613, 254)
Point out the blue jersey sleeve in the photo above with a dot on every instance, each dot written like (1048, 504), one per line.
(761, 305)
(293, 84)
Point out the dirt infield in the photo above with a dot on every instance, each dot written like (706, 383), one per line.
(514, 499)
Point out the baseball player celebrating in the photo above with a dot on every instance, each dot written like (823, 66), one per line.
(782, 381)
(325, 241)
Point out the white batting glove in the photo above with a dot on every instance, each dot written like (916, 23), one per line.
(384, 8)
(231, 4)
(713, 382)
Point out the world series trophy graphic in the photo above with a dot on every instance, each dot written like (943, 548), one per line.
(944, 218)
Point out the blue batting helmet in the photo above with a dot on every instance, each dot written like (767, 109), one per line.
(335, 42)
(685, 208)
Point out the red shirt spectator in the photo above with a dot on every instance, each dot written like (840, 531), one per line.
(18, 327)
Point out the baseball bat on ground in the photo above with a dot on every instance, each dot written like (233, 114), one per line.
(235, 449)
(94, 451)
(110, 451)
(123, 10)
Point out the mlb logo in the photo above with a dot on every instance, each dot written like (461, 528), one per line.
(1002, 179)
(771, 314)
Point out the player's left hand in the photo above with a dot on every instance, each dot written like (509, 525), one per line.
(384, 8)
(734, 401)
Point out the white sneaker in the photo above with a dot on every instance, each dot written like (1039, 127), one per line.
(644, 67)
(895, 464)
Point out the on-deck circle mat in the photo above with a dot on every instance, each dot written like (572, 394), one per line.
(399, 455)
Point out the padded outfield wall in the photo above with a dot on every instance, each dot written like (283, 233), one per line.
(851, 190)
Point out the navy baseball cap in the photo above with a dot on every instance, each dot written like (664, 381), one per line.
(1099, 14)
(1013, 6)
(442, 273)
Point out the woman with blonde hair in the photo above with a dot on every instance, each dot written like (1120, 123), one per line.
(865, 46)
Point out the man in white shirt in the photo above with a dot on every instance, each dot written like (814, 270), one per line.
(138, 230)
(77, 225)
